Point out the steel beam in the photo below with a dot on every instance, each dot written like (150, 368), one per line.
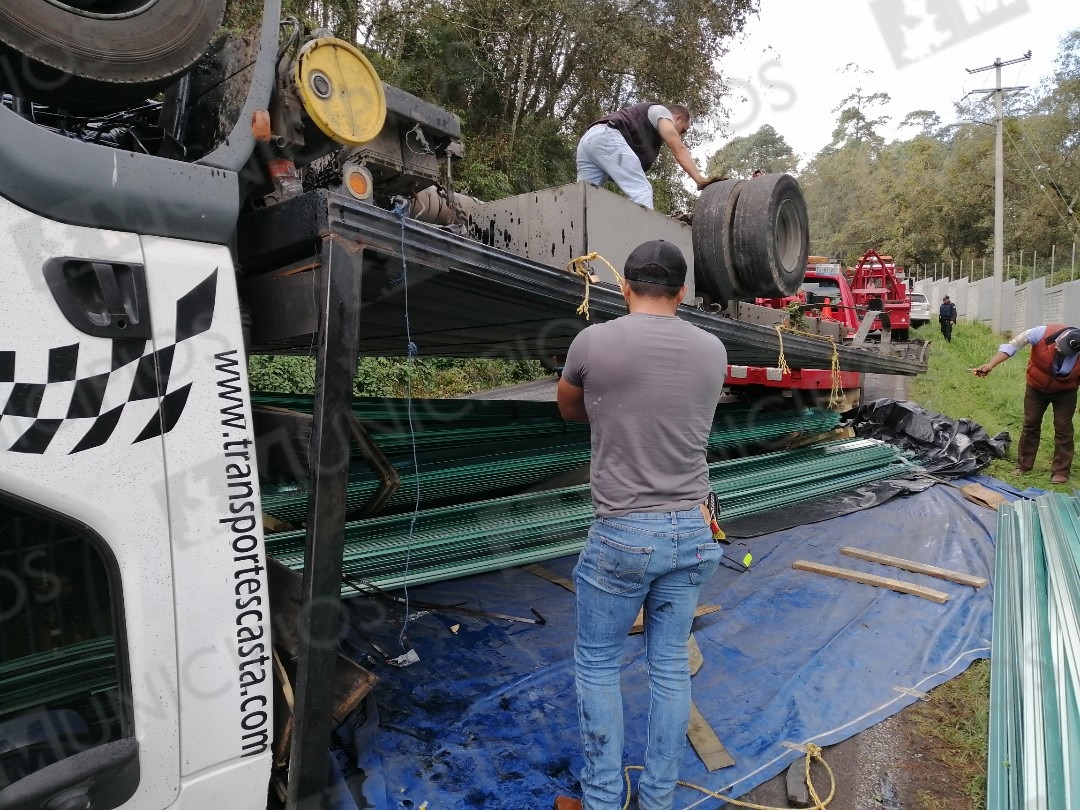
(319, 623)
(469, 299)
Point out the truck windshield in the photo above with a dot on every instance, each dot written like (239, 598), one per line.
(821, 287)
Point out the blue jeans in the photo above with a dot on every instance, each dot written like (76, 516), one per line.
(659, 560)
(603, 153)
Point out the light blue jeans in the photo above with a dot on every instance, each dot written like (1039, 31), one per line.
(604, 154)
(659, 560)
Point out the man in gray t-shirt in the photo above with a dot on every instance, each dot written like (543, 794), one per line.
(648, 384)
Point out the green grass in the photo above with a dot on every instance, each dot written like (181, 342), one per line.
(953, 724)
(996, 402)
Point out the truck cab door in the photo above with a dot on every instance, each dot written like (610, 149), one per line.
(88, 642)
(128, 673)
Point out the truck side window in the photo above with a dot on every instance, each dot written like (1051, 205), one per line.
(63, 686)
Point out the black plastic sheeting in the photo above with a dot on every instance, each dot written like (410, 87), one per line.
(830, 506)
(942, 446)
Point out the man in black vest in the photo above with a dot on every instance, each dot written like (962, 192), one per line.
(621, 146)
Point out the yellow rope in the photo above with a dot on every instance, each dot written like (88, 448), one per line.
(837, 391)
(580, 267)
(812, 752)
(781, 361)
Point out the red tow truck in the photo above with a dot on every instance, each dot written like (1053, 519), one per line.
(831, 293)
(878, 284)
(824, 294)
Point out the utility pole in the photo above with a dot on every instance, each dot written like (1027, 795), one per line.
(999, 173)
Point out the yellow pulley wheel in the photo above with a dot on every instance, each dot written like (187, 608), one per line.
(340, 90)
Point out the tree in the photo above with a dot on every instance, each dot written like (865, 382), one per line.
(858, 119)
(926, 122)
(765, 149)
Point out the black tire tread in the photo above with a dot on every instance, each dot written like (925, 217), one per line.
(759, 267)
(69, 59)
(714, 260)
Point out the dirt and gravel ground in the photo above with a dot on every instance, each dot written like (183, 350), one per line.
(890, 766)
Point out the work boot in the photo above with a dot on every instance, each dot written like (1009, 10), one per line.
(566, 803)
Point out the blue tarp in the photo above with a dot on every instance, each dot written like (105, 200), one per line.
(487, 718)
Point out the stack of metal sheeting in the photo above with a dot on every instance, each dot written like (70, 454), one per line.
(439, 424)
(748, 426)
(1034, 756)
(496, 448)
(444, 477)
(489, 535)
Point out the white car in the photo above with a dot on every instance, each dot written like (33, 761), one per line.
(920, 310)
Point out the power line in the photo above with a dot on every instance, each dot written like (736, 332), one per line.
(1042, 187)
(1045, 165)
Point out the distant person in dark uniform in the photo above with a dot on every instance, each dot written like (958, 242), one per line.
(947, 317)
(1053, 375)
(621, 146)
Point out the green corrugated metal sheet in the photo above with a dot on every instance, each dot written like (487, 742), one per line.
(488, 535)
(1034, 753)
(496, 448)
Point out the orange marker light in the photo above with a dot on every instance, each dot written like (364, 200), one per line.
(358, 184)
(260, 125)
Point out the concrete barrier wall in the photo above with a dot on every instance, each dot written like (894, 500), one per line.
(1070, 309)
(958, 293)
(1022, 305)
(1008, 296)
(1029, 305)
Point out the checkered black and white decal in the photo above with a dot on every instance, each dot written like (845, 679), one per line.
(91, 409)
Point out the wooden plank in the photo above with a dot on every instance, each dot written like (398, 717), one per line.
(700, 610)
(283, 712)
(351, 681)
(870, 579)
(709, 749)
(546, 573)
(694, 652)
(916, 567)
(983, 496)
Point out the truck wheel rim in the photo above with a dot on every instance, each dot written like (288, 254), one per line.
(104, 9)
(789, 235)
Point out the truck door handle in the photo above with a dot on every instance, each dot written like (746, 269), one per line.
(101, 298)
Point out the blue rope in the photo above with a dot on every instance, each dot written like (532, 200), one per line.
(412, 351)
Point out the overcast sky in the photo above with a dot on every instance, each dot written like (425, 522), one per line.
(785, 67)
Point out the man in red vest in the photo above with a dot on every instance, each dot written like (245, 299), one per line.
(1053, 375)
(621, 146)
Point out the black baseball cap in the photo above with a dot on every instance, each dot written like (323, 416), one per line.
(656, 262)
(1068, 342)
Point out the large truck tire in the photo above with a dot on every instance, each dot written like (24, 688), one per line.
(771, 236)
(714, 258)
(101, 55)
